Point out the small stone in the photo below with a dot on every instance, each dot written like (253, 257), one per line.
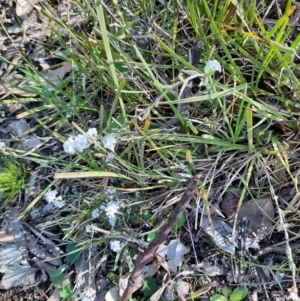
(30, 143)
(18, 127)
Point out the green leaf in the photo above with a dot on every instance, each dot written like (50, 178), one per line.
(72, 253)
(115, 124)
(128, 258)
(65, 292)
(194, 295)
(112, 276)
(151, 235)
(180, 222)
(217, 297)
(225, 292)
(238, 294)
(150, 287)
(146, 215)
(56, 277)
(121, 67)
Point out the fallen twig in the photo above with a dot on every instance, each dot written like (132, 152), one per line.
(160, 237)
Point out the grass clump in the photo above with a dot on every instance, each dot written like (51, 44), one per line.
(12, 179)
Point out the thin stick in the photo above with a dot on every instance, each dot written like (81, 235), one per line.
(160, 237)
(294, 289)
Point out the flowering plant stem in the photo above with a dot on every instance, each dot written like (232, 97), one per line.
(160, 237)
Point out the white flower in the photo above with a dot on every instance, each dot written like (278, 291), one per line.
(115, 246)
(88, 229)
(51, 198)
(58, 202)
(110, 192)
(69, 146)
(109, 142)
(109, 157)
(80, 143)
(2, 145)
(112, 220)
(212, 65)
(92, 133)
(279, 275)
(111, 209)
(89, 294)
(96, 213)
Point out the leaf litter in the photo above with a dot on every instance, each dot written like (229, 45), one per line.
(173, 253)
(19, 238)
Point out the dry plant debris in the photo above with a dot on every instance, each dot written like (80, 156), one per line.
(110, 110)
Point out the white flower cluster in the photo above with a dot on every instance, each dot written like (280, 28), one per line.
(110, 192)
(110, 209)
(96, 213)
(2, 145)
(51, 198)
(210, 68)
(212, 65)
(109, 142)
(80, 142)
(115, 246)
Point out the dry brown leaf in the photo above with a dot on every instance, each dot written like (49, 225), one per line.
(148, 271)
(49, 79)
(112, 294)
(260, 212)
(229, 203)
(176, 288)
(221, 233)
(4, 237)
(168, 293)
(24, 8)
(9, 256)
(123, 282)
(52, 78)
(174, 252)
(39, 34)
(18, 275)
(182, 287)
(46, 251)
